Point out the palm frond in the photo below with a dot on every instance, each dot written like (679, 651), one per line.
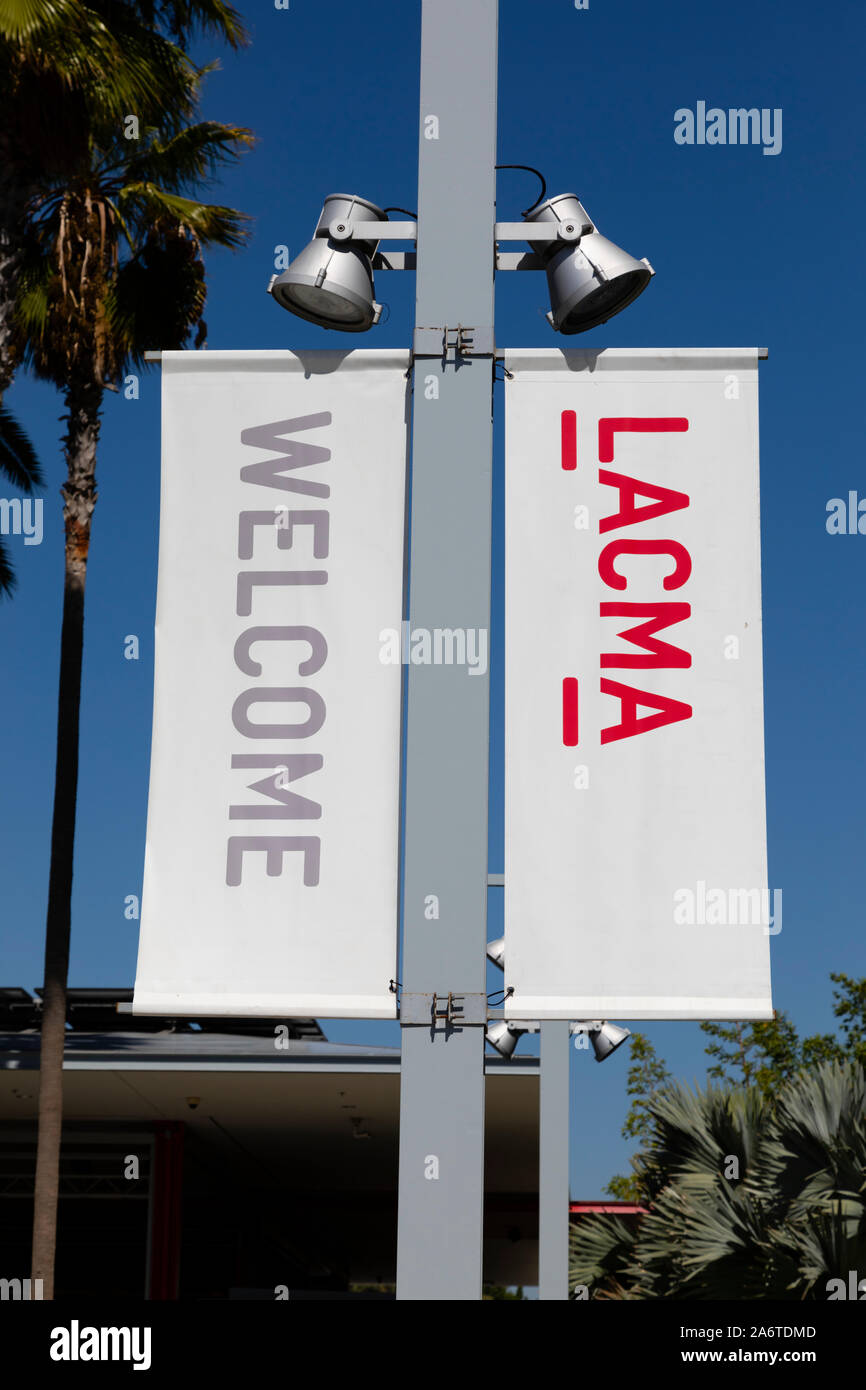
(21, 18)
(819, 1247)
(149, 76)
(185, 18)
(694, 1133)
(141, 319)
(18, 461)
(213, 225)
(600, 1250)
(790, 1215)
(192, 156)
(8, 582)
(102, 50)
(816, 1145)
(32, 318)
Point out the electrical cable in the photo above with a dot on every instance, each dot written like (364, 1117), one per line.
(529, 170)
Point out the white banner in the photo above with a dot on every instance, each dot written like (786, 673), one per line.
(635, 840)
(270, 882)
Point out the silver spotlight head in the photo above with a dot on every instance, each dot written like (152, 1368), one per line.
(589, 281)
(503, 1035)
(606, 1038)
(331, 282)
(496, 952)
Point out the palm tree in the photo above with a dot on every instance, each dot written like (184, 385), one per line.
(63, 65)
(112, 267)
(750, 1195)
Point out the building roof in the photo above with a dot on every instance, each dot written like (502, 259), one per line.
(110, 1010)
(103, 1033)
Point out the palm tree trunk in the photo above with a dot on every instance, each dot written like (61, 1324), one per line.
(79, 493)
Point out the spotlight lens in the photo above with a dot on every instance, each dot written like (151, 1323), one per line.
(607, 300)
(323, 303)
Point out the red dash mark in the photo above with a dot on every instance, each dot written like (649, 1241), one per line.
(569, 712)
(658, 424)
(569, 440)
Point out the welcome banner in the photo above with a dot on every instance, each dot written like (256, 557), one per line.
(635, 842)
(270, 883)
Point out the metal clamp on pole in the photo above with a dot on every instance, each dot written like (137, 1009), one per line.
(447, 1010)
(452, 344)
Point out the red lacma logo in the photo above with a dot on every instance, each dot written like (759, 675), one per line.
(655, 653)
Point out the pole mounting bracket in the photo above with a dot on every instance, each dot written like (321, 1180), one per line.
(446, 1011)
(452, 344)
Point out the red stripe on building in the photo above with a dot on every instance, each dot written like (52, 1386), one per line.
(614, 1208)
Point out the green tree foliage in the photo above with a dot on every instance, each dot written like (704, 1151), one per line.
(850, 1006)
(66, 66)
(768, 1054)
(762, 1054)
(750, 1196)
(647, 1074)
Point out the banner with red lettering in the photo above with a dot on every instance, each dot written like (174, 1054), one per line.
(635, 838)
(271, 865)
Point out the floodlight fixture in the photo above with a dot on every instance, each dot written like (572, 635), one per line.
(503, 1034)
(496, 952)
(331, 282)
(589, 278)
(605, 1037)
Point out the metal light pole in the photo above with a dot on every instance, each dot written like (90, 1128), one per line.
(443, 1007)
(553, 1150)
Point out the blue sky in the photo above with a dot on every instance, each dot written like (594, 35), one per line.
(748, 249)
